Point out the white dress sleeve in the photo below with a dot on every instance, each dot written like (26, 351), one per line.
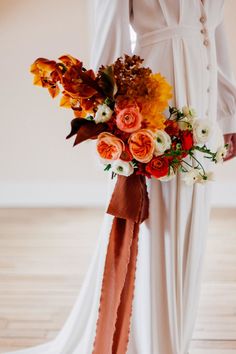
(226, 100)
(111, 31)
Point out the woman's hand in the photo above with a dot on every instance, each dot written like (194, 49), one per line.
(230, 139)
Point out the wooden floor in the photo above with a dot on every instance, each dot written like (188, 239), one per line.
(44, 254)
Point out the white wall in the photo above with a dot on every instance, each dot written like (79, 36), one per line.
(37, 166)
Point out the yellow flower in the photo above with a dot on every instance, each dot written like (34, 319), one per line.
(159, 91)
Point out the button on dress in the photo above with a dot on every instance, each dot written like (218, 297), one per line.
(185, 41)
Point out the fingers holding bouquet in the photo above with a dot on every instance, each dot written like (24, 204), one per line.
(230, 141)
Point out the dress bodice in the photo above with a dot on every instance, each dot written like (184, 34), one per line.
(150, 15)
(183, 39)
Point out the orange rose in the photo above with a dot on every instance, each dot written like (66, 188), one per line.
(158, 166)
(109, 147)
(129, 119)
(142, 145)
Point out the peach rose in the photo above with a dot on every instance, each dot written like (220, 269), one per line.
(129, 119)
(142, 145)
(109, 147)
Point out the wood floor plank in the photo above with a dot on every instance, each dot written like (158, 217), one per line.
(44, 257)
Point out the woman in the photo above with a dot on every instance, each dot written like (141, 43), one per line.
(185, 41)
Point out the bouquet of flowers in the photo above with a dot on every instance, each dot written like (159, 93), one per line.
(122, 106)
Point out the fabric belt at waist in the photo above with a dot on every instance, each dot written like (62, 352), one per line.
(162, 34)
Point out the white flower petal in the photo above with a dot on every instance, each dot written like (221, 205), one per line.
(186, 123)
(209, 176)
(202, 131)
(162, 142)
(103, 113)
(122, 168)
(191, 176)
(189, 112)
(185, 110)
(217, 140)
(221, 154)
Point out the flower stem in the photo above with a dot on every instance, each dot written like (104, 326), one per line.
(199, 163)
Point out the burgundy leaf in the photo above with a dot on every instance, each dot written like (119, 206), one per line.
(75, 125)
(85, 129)
(89, 131)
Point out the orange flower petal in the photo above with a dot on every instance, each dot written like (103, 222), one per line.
(54, 91)
(68, 60)
(37, 81)
(65, 102)
(34, 68)
(46, 65)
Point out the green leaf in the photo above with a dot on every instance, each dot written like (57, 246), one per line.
(90, 118)
(107, 168)
(113, 175)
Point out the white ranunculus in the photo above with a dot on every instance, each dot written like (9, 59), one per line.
(103, 113)
(209, 176)
(123, 168)
(185, 110)
(189, 118)
(168, 177)
(202, 131)
(218, 138)
(186, 123)
(188, 111)
(162, 142)
(191, 177)
(221, 154)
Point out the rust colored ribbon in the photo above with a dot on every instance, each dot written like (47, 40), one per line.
(129, 205)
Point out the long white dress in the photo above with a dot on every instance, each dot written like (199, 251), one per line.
(185, 41)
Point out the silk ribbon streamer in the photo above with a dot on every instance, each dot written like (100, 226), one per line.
(129, 205)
